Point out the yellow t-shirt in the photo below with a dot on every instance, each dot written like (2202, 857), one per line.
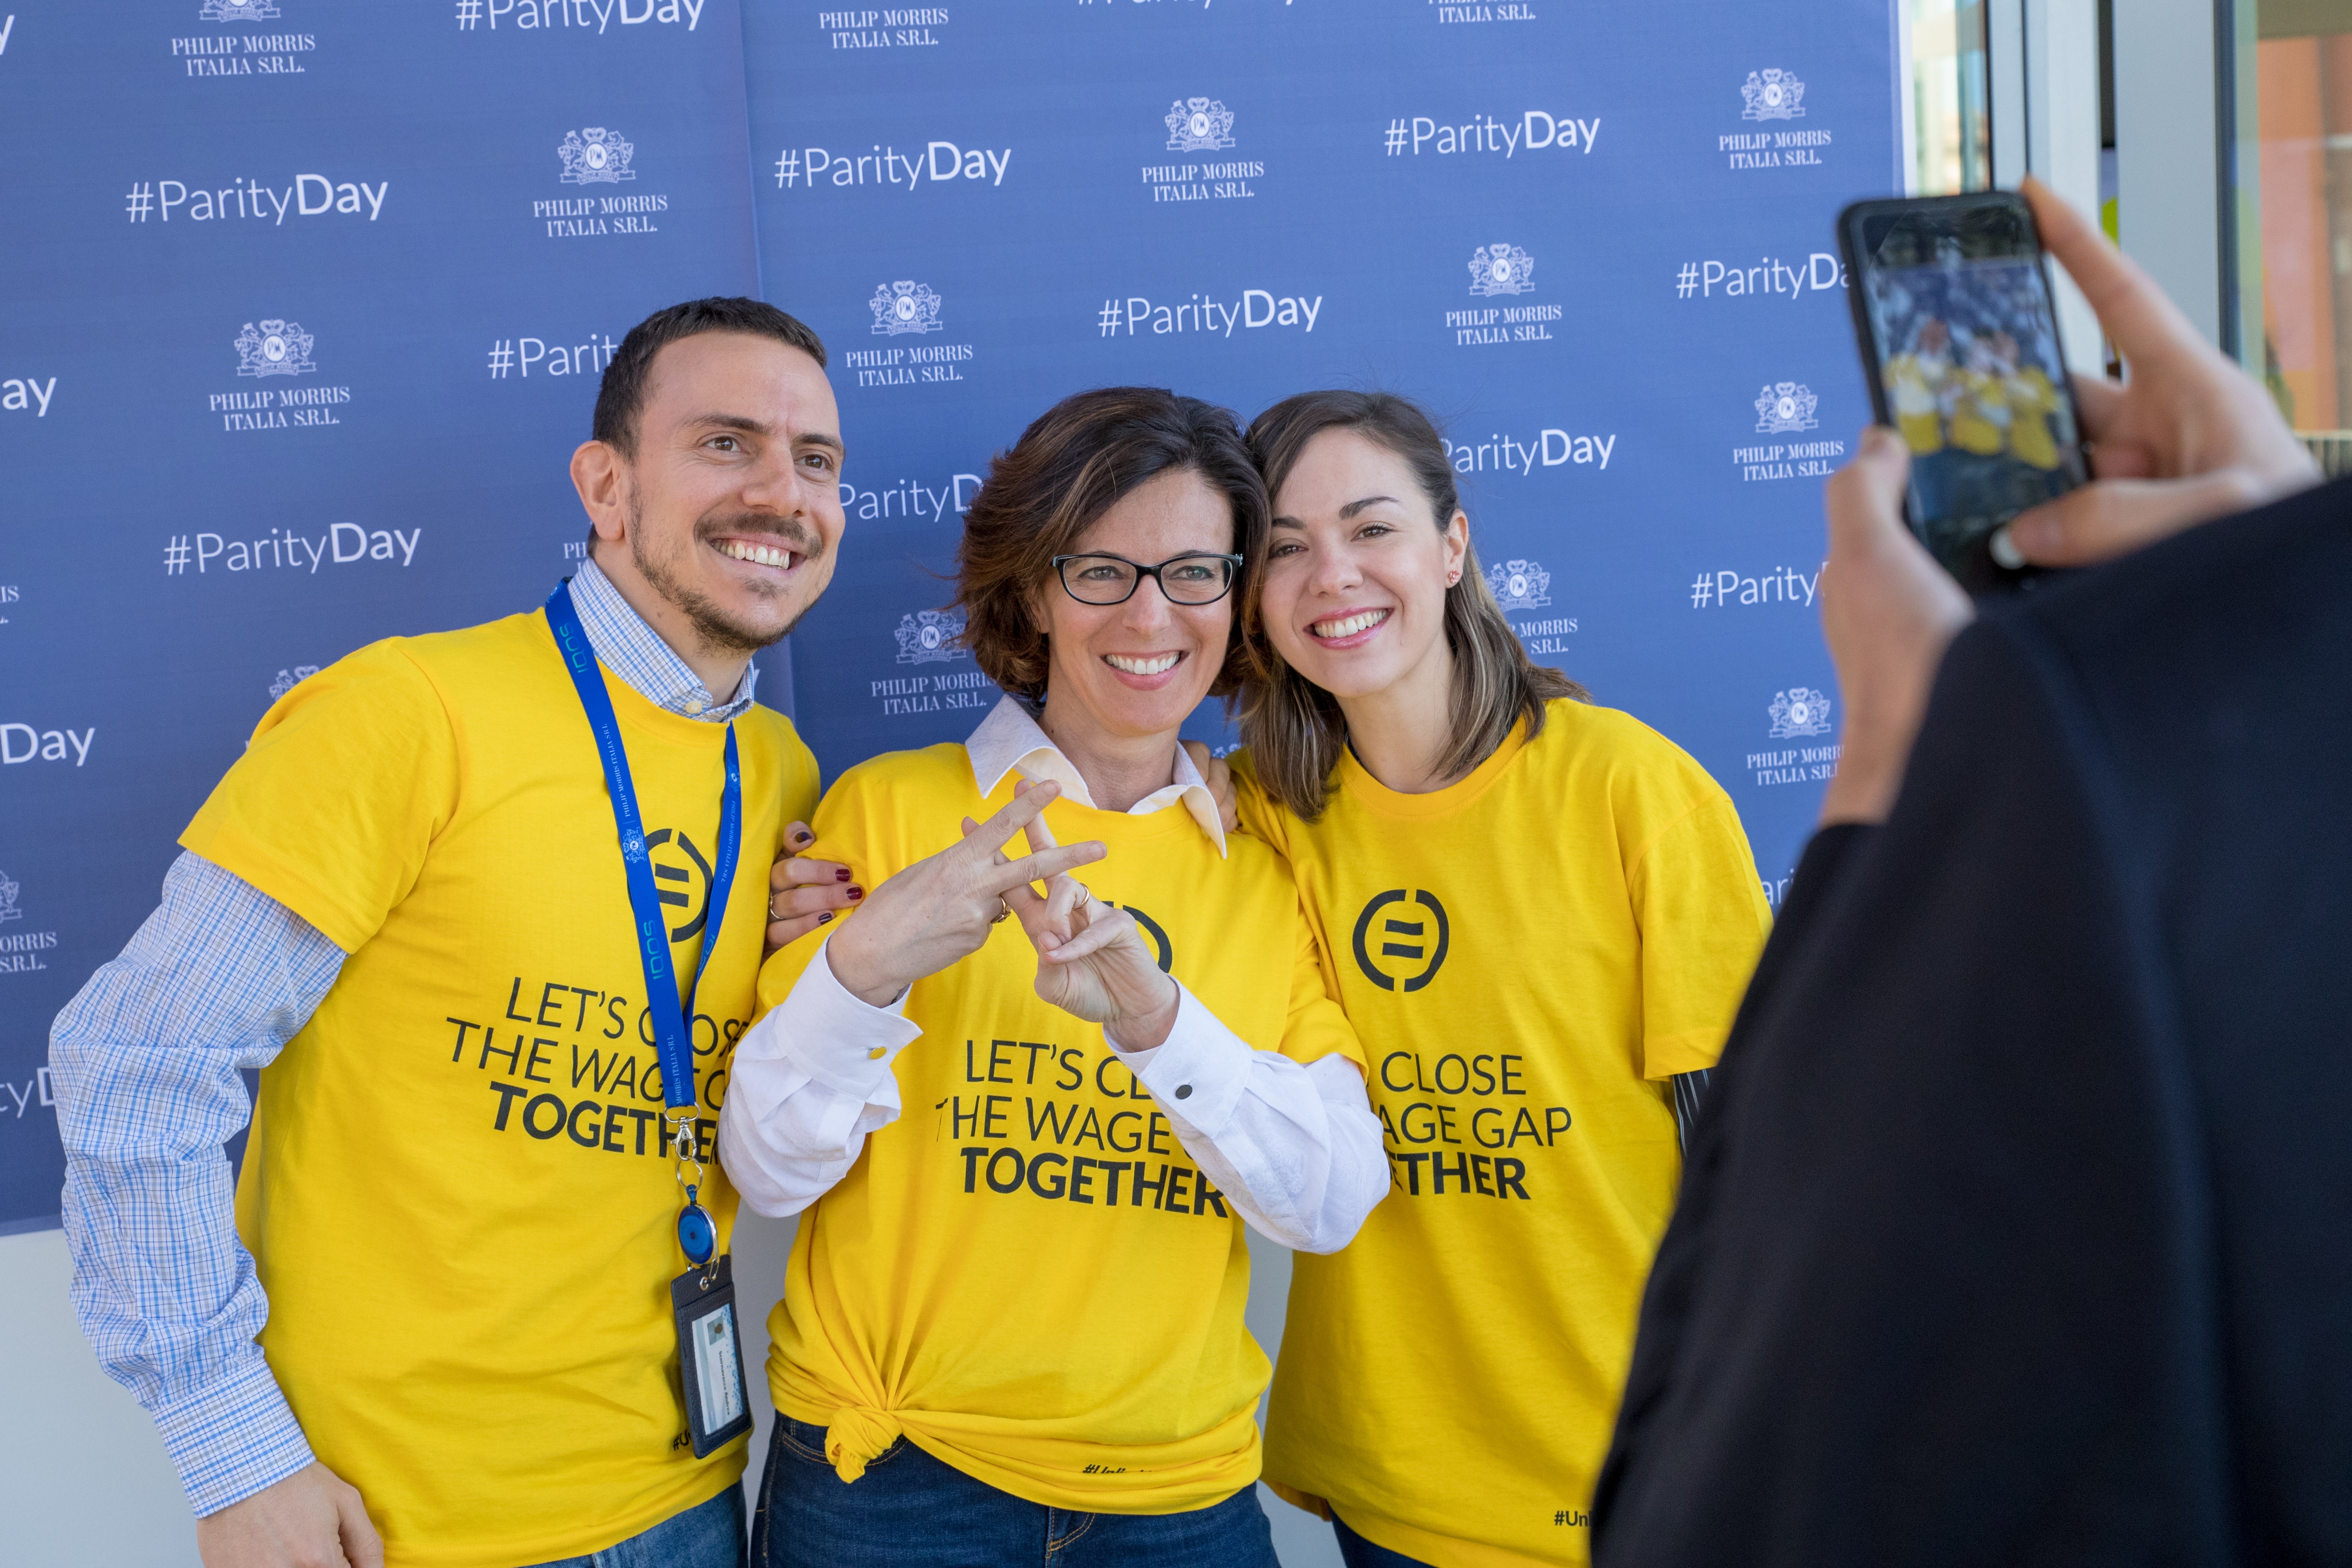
(1025, 1273)
(1980, 418)
(1912, 382)
(1526, 955)
(2033, 400)
(455, 1191)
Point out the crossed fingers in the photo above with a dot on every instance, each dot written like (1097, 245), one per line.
(1000, 876)
(1067, 900)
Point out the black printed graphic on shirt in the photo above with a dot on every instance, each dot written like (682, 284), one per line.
(1068, 1124)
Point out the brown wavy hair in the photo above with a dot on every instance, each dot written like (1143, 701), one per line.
(1295, 729)
(1073, 463)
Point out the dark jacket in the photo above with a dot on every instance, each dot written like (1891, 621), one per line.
(2018, 1225)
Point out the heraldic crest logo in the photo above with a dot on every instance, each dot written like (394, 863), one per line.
(288, 680)
(1501, 270)
(1772, 95)
(276, 349)
(905, 306)
(596, 157)
(8, 890)
(237, 11)
(931, 637)
(1800, 710)
(1199, 125)
(1519, 584)
(1784, 408)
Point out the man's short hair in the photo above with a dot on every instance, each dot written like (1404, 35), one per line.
(622, 394)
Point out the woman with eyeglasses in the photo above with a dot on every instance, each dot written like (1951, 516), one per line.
(1543, 914)
(1022, 1151)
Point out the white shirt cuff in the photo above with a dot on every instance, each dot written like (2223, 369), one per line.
(234, 1440)
(837, 1039)
(1200, 1071)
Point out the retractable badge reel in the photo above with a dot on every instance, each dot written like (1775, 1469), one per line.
(698, 1234)
(702, 1299)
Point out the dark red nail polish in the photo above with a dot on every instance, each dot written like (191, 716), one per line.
(825, 917)
(841, 874)
(857, 893)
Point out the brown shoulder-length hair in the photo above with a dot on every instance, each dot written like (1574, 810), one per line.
(1294, 728)
(1069, 468)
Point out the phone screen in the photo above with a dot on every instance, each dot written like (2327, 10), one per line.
(1964, 345)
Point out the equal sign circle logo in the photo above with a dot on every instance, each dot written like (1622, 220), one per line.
(1400, 939)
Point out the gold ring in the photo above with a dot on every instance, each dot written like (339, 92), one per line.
(1002, 909)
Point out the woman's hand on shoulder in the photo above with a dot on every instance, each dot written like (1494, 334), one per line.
(802, 894)
(939, 910)
(1092, 961)
(1220, 780)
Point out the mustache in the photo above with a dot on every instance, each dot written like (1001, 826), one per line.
(803, 540)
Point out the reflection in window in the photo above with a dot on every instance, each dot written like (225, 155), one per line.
(2300, 76)
(1951, 135)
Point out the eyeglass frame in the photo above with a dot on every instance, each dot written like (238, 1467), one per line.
(1141, 571)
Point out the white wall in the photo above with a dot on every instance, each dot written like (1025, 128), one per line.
(83, 1480)
(2167, 169)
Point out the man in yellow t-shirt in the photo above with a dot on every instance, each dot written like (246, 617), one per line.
(441, 1331)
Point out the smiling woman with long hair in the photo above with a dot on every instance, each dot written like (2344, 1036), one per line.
(1015, 1319)
(1542, 915)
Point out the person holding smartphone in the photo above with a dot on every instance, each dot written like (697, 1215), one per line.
(2016, 1231)
(1013, 1320)
(1540, 913)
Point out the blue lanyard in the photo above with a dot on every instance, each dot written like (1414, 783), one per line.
(672, 1024)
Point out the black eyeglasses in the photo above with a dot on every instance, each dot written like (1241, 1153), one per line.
(1113, 578)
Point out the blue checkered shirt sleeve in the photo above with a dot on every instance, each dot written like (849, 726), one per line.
(146, 1060)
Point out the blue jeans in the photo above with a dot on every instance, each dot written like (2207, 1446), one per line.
(909, 1511)
(708, 1535)
(1358, 1552)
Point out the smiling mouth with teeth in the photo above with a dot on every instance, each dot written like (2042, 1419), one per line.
(1159, 663)
(1362, 621)
(759, 554)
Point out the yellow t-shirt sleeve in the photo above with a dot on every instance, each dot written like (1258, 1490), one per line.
(1262, 818)
(339, 796)
(847, 834)
(1703, 921)
(1316, 1026)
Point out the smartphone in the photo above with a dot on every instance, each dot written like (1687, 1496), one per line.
(1959, 344)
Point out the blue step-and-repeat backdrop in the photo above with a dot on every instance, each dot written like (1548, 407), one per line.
(307, 300)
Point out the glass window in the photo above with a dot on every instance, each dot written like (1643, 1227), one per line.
(2293, 74)
(1951, 136)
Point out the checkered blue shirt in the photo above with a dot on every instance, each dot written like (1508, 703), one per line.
(145, 1061)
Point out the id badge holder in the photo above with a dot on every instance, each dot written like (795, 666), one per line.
(710, 1355)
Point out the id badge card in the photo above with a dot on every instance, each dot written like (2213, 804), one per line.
(710, 1355)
